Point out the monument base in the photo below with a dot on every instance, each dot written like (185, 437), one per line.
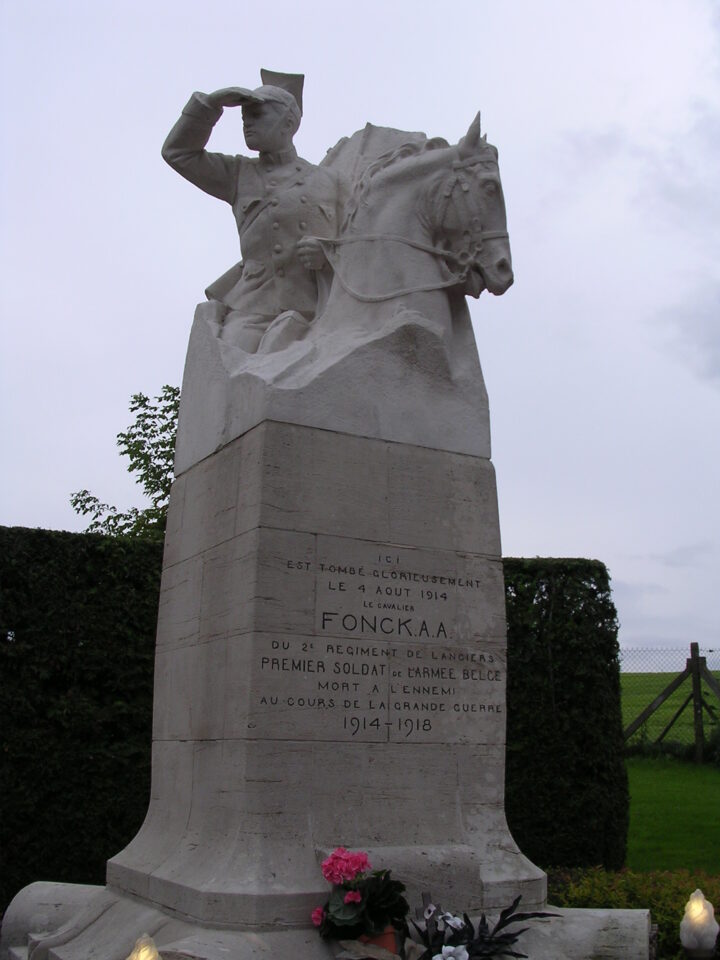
(330, 670)
(73, 922)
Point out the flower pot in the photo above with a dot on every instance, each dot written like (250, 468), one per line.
(387, 939)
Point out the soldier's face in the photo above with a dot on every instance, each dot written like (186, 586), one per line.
(267, 126)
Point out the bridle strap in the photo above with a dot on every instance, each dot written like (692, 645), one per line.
(461, 259)
(328, 244)
(454, 281)
(428, 248)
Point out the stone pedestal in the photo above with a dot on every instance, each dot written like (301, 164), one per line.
(330, 670)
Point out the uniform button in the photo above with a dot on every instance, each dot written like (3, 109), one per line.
(303, 199)
(274, 201)
(276, 226)
(278, 248)
(302, 224)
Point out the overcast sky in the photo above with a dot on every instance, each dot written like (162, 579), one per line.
(603, 360)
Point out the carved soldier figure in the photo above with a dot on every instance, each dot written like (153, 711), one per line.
(280, 202)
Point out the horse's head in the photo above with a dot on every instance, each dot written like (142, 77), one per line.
(467, 209)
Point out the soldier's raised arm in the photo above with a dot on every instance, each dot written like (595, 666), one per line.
(184, 148)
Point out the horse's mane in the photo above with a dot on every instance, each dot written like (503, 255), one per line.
(362, 185)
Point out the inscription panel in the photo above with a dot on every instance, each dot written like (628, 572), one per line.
(309, 688)
(366, 590)
(408, 647)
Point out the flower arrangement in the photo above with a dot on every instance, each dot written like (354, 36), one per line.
(448, 937)
(363, 901)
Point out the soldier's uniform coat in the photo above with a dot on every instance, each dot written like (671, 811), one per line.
(274, 203)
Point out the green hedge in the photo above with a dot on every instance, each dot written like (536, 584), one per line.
(566, 786)
(77, 625)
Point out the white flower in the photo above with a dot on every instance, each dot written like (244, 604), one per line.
(429, 911)
(452, 953)
(457, 923)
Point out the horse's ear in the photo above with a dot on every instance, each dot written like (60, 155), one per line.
(470, 143)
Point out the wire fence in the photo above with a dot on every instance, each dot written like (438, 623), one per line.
(646, 674)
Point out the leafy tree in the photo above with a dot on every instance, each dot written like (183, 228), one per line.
(149, 443)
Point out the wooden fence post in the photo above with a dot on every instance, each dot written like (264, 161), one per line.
(695, 665)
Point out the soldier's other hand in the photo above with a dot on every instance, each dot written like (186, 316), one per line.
(310, 253)
(228, 97)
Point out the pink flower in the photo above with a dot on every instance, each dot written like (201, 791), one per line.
(353, 896)
(333, 867)
(344, 865)
(317, 916)
(358, 863)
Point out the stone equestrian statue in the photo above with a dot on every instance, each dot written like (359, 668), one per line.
(279, 200)
(348, 308)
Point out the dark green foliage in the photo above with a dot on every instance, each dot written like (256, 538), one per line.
(566, 785)
(663, 892)
(149, 444)
(77, 625)
(385, 901)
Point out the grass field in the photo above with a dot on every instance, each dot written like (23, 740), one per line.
(674, 815)
(674, 805)
(640, 689)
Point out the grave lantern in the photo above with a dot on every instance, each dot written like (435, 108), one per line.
(699, 928)
(144, 949)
